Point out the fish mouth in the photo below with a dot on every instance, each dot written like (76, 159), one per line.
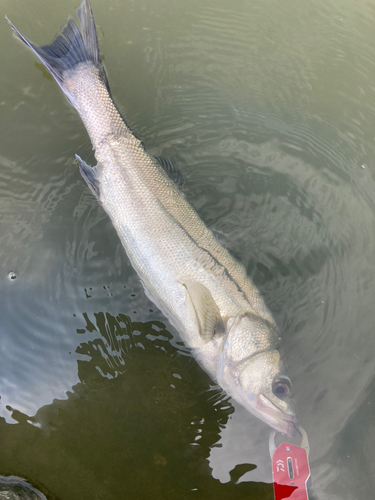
(276, 418)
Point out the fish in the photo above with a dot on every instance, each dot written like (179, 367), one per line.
(196, 283)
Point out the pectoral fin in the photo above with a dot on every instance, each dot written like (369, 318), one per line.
(205, 308)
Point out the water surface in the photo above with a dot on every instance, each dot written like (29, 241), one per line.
(268, 107)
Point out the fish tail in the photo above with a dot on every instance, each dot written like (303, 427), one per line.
(70, 47)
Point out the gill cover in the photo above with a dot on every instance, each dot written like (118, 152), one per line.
(250, 369)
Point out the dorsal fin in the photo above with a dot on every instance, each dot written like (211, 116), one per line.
(171, 169)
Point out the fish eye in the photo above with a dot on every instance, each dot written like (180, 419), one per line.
(281, 387)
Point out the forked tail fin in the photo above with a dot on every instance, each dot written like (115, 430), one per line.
(70, 47)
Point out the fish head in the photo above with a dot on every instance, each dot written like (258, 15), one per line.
(251, 370)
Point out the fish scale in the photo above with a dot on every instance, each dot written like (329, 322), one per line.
(203, 291)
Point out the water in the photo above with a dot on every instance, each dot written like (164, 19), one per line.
(268, 107)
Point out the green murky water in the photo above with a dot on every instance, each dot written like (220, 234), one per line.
(269, 109)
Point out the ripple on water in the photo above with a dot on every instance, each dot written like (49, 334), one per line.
(270, 118)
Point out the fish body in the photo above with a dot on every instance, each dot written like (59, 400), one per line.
(202, 290)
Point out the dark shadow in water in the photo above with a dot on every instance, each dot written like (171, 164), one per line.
(142, 418)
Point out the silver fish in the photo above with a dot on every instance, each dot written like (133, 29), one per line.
(203, 291)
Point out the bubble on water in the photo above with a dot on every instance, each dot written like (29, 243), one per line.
(12, 276)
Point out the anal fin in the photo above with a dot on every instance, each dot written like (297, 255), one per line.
(90, 176)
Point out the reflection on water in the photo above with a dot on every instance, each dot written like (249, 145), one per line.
(268, 108)
(16, 488)
(153, 414)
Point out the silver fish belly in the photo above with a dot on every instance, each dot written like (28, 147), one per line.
(202, 290)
